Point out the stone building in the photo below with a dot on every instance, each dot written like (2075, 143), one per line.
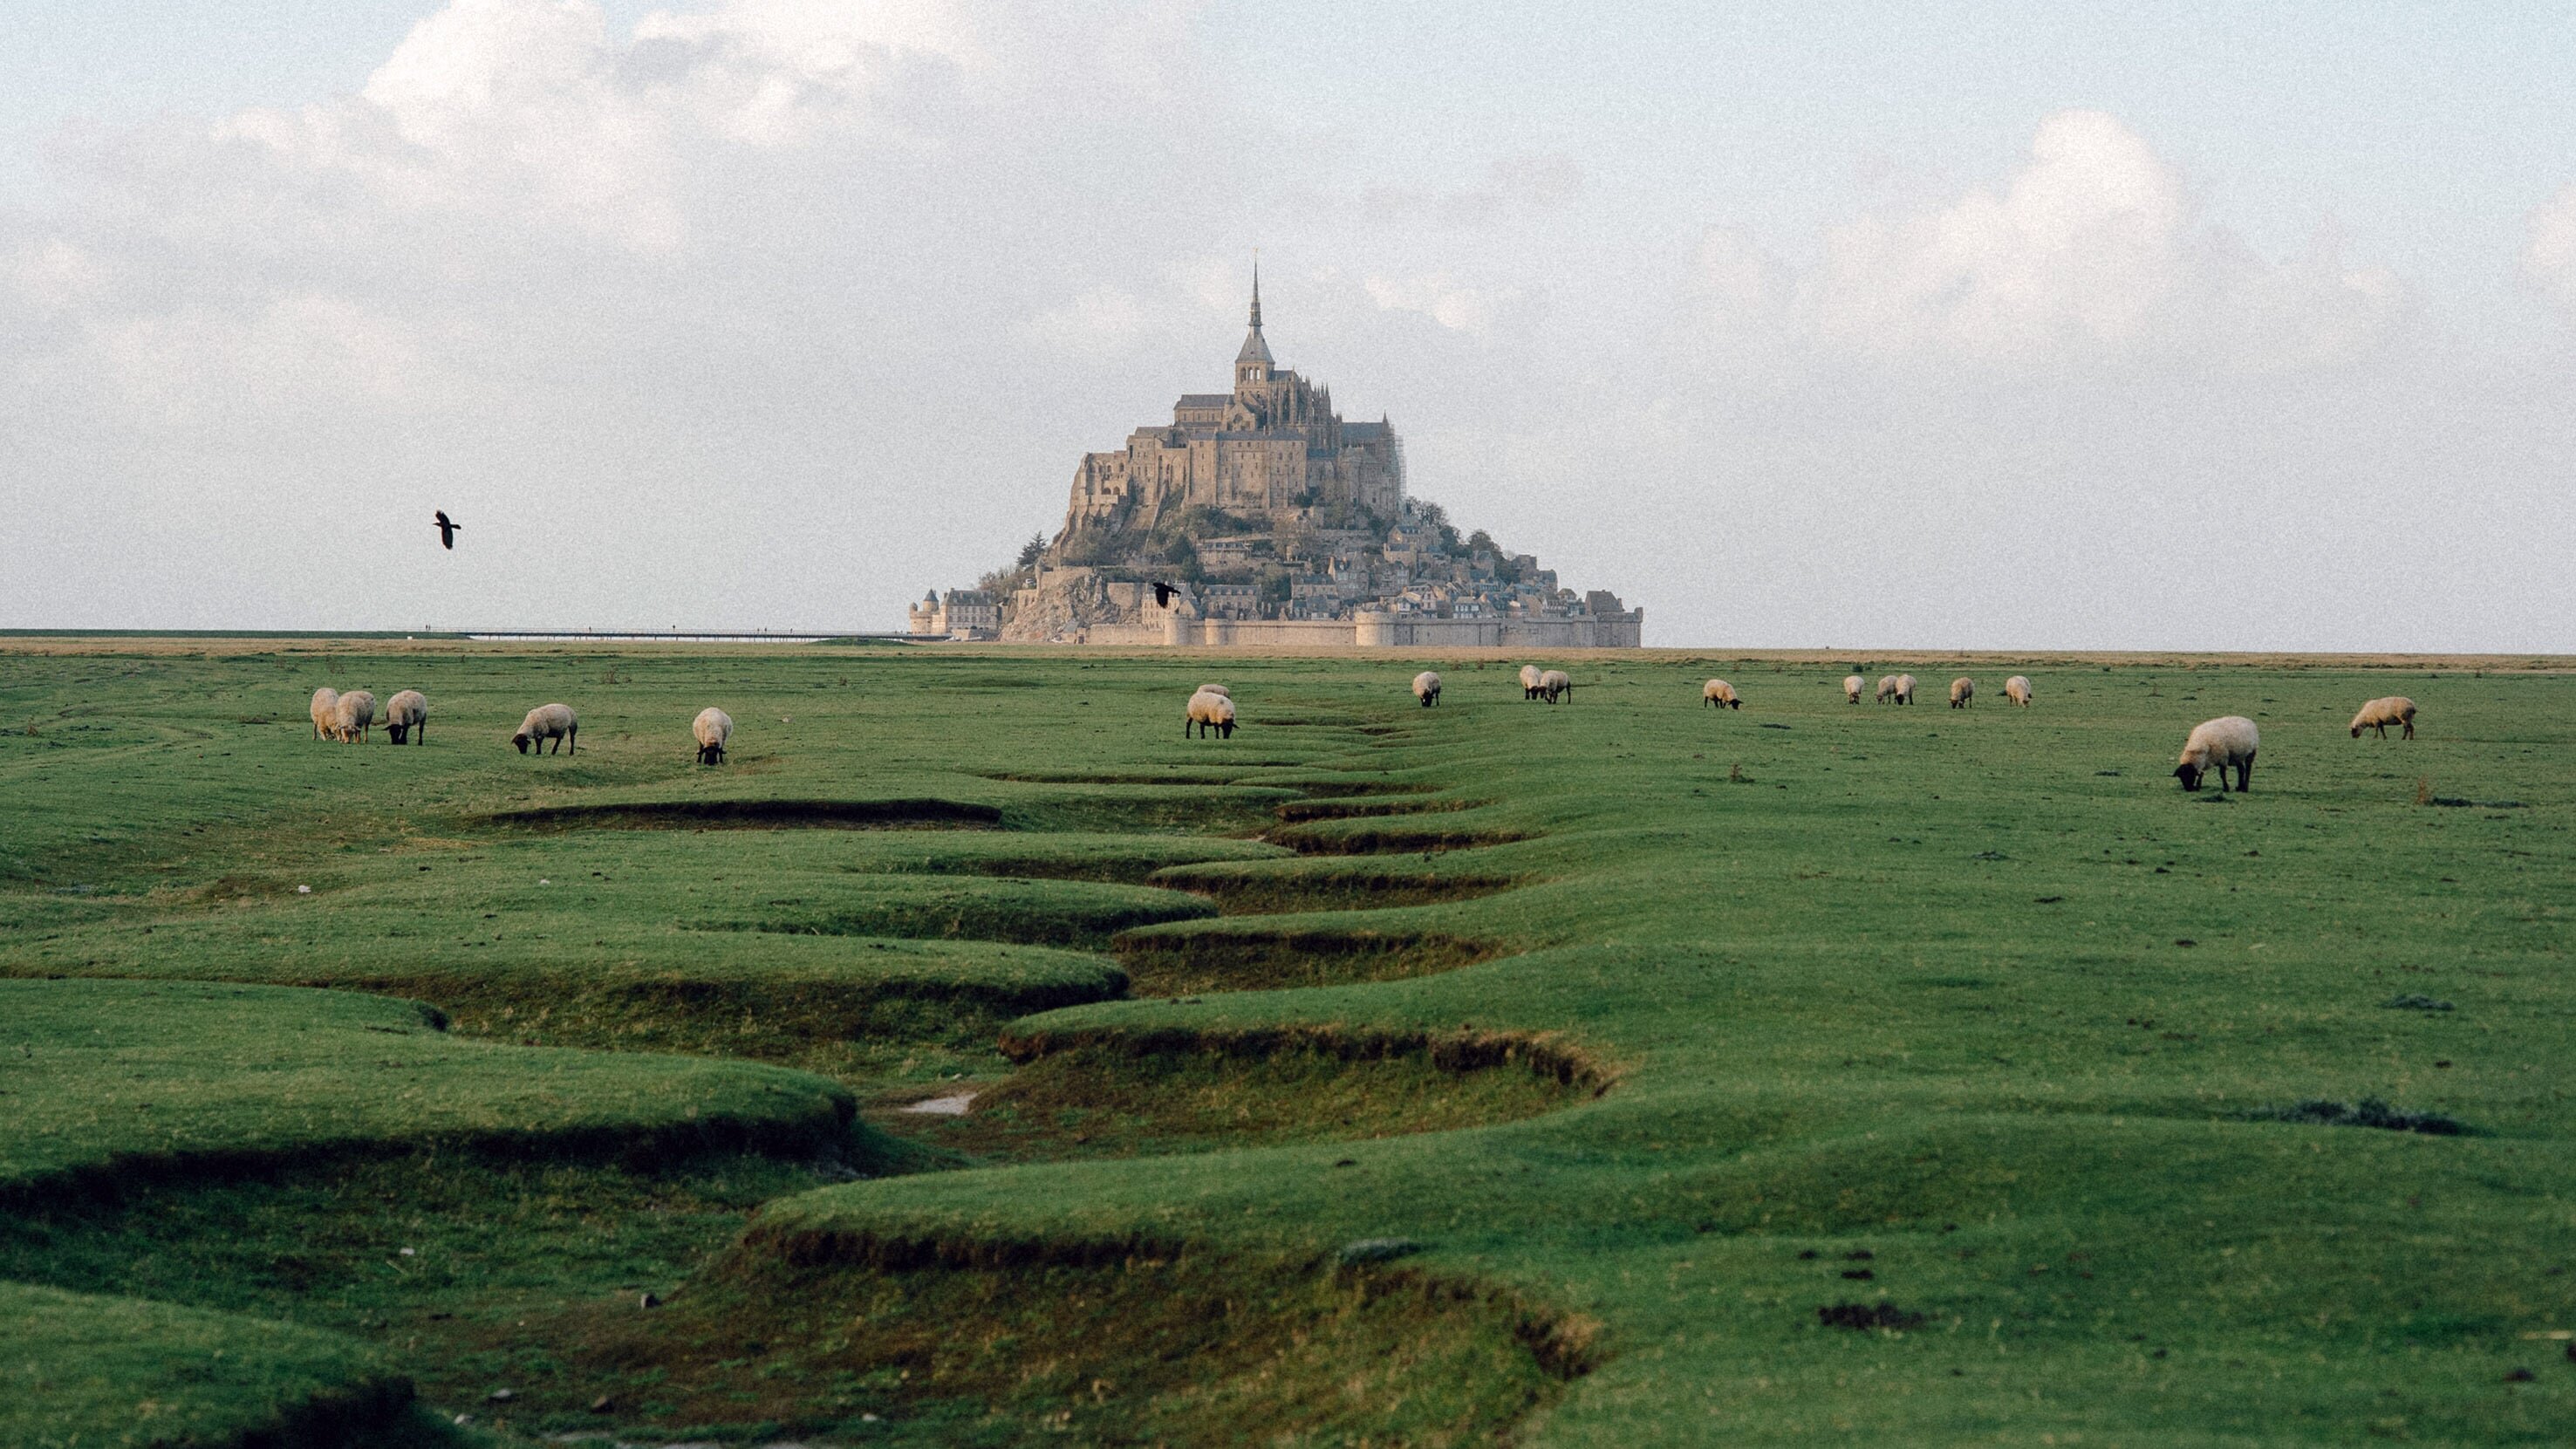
(1271, 446)
(964, 614)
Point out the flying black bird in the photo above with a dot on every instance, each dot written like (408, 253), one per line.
(447, 530)
(1163, 595)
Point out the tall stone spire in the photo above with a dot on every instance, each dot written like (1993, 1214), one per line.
(1252, 364)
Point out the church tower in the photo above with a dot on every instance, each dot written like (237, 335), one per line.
(1252, 364)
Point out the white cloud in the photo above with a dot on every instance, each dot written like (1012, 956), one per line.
(1445, 300)
(2549, 254)
(2091, 253)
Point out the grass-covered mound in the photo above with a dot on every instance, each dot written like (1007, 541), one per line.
(71, 1365)
(111, 1081)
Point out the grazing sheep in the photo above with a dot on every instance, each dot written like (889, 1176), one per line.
(1529, 681)
(2215, 745)
(1426, 687)
(1853, 684)
(323, 699)
(1555, 685)
(1209, 712)
(352, 715)
(711, 728)
(1718, 694)
(1886, 688)
(406, 712)
(1963, 690)
(549, 722)
(1905, 689)
(2017, 689)
(2379, 714)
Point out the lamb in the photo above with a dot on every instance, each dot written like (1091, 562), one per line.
(2017, 689)
(323, 699)
(1209, 712)
(2215, 745)
(352, 715)
(1426, 687)
(549, 722)
(406, 712)
(1718, 694)
(1962, 691)
(1529, 681)
(711, 728)
(1555, 685)
(1853, 684)
(2379, 714)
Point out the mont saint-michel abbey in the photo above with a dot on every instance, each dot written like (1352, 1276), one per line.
(1267, 519)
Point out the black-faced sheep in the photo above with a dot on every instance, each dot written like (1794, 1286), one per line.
(1555, 685)
(1209, 712)
(711, 729)
(324, 699)
(1426, 687)
(549, 722)
(2017, 689)
(1963, 691)
(352, 715)
(1529, 681)
(2215, 745)
(405, 713)
(1718, 694)
(1853, 684)
(2379, 714)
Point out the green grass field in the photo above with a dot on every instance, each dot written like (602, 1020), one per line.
(1615, 1073)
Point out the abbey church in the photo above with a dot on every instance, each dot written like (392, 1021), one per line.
(1271, 447)
(1258, 516)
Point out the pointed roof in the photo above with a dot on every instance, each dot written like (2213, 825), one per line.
(1254, 349)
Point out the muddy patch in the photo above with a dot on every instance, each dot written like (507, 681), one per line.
(915, 814)
(1299, 887)
(1189, 957)
(811, 1333)
(1397, 837)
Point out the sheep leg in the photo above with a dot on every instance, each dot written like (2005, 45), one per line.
(2410, 731)
(2244, 775)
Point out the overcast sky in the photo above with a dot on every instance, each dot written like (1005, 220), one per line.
(1978, 325)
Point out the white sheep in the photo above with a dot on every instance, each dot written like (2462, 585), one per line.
(1853, 684)
(1905, 689)
(549, 722)
(1963, 690)
(1718, 694)
(1529, 681)
(406, 712)
(1426, 687)
(323, 700)
(1886, 688)
(1555, 685)
(2379, 714)
(2215, 745)
(2017, 689)
(352, 715)
(1209, 712)
(711, 729)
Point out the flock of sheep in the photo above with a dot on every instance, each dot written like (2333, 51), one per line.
(2215, 747)
(348, 717)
